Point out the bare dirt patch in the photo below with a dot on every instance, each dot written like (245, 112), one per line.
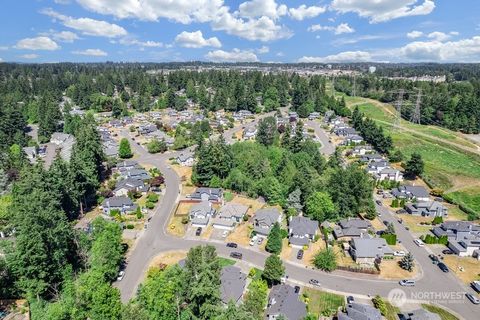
(286, 250)
(471, 267)
(252, 204)
(312, 250)
(390, 270)
(176, 227)
(241, 234)
(167, 258)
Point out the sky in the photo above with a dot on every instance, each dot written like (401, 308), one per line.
(325, 31)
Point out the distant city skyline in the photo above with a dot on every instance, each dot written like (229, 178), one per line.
(325, 31)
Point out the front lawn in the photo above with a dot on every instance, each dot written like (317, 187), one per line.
(444, 314)
(321, 303)
(225, 262)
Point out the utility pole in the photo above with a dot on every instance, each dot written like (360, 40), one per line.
(416, 115)
(398, 105)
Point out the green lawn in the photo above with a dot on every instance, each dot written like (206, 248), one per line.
(321, 303)
(225, 262)
(392, 311)
(444, 314)
(228, 196)
(5, 202)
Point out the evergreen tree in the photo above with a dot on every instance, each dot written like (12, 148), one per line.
(267, 131)
(407, 262)
(273, 270)
(415, 166)
(320, 207)
(256, 298)
(325, 260)
(274, 240)
(124, 150)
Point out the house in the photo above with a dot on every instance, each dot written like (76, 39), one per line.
(351, 228)
(345, 131)
(126, 165)
(200, 213)
(135, 173)
(249, 133)
(65, 143)
(264, 220)
(388, 174)
(427, 209)
(328, 115)
(232, 284)
(229, 215)
(185, 160)
(361, 150)
(147, 129)
(301, 230)
(369, 250)
(60, 138)
(314, 115)
(378, 166)
(420, 314)
(283, 300)
(417, 193)
(31, 153)
(360, 311)
(353, 139)
(463, 237)
(207, 194)
(123, 187)
(122, 204)
(369, 158)
(293, 116)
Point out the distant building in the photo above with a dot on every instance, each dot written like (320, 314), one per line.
(207, 194)
(427, 209)
(122, 204)
(417, 193)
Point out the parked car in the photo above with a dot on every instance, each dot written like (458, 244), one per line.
(259, 240)
(476, 285)
(419, 242)
(120, 276)
(284, 279)
(296, 289)
(253, 240)
(225, 234)
(434, 258)
(472, 298)
(314, 282)
(350, 299)
(407, 283)
(232, 245)
(399, 253)
(198, 231)
(379, 202)
(401, 211)
(236, 255)
(443, 267)
(447, 251)
(300, 254)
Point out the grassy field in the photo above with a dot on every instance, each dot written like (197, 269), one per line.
(321, 303)
(444, 314)
(447, 167)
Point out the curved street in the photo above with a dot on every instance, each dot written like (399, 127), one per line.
(434, 285)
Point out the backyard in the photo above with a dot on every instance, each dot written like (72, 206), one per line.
(321, 303)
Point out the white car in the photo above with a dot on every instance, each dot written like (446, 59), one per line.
(225, 234)
(399, 253)
(407, 283)
(419, 242)
(253, 241)
(120, 276)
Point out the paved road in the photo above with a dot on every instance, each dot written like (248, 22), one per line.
(155, 240)
(327, 147)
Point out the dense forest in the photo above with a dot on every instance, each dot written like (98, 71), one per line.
(453, 105)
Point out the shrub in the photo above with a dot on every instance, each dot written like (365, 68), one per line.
(380, 304)
(152, 197)
(150, 205)
(325, 260)
(390, 238)
(437, 220)
(130, 226)
(185, 220)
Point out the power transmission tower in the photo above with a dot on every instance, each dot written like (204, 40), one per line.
(398, 106)
(354, 85)
(416, 113)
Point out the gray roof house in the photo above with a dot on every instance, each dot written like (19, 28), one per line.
(411, 192)
(31, 153)
(360, 311)
(463, 237)
(122, 204)
(65, 143)
(135, 173)
(200, 213)
(283, 300)
(249, 132)
(229, 215)
(185, 160)
(128, 185)
(264, 220)
(126, 165)
(233, 282)
(362, 150)
(301, 230)
(367, 250)
(427, 209)
(351, 228)
(353, 139)
(374, 157)
(421, 314)
(207, 194)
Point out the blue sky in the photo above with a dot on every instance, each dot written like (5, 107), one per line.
(228, 31)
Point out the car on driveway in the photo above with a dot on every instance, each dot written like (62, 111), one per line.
(401, 211)
(350, 299)
(379, 202)
(399, 253)
(225, 234)
(314, 282)
(300, 254)
(232, 245)
(236, 255)
(447, 251)
(253, 241)
(476, 285)
(198, 231)
(434, 258)
(443, 267)
(472, 298)
(296, 289)
(407, 283)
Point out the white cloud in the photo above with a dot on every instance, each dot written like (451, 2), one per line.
(464, 50)
(414, 34)
(88, 26)
(129, 41)
(91, 52)
(236, 55)
(65, 36)
(196, 40)
(37, 43)
(454, 33)
(341, 28)
(439, 36)
(347, 56)
(304, 12)
(384, 10)
(259, 8)
(263, 50)
(29, 56)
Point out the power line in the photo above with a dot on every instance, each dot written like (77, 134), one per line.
(416, 115)
(398, 107)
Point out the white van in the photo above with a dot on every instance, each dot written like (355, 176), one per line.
(407, 283)
(419, 242)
